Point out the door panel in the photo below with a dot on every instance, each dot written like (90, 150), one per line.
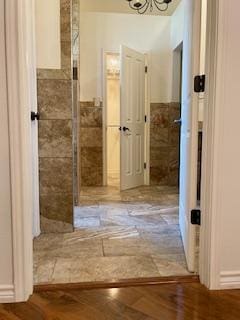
(132, 118)
(189, 129)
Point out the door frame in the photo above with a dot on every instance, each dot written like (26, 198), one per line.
(210, 232)
(18, 46)
(19, 129)
(105, 52)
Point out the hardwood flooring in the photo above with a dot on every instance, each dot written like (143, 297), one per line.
(164, 302)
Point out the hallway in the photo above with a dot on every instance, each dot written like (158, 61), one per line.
(118, 235)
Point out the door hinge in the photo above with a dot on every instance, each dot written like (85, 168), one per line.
(75, 73)
(145, 118)
(145, 165)
(146, 69)
(196, 217)
(199, 83)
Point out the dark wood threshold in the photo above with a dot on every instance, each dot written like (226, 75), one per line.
(117, 283)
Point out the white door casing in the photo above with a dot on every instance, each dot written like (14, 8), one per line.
(32, 103)
(189, 129)
(132, 117)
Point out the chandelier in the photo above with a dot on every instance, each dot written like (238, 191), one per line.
(141, 6)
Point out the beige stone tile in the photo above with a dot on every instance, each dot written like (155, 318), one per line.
(158, 137)
(57, 74)
(91, 137)
(90, 177)
(44, 271)
(55, 99)
(75, 248)
(171, 265)
(91, 117)
(65, 11)
(159, 175)
(103, 233)
(55, 175)
(87, 104)
(48, 241)
(105, 268)
(55, 138)
(171, 218)
(57, 207)
(174, 136)
(159, 157)
(142, 247)
(55, 226)
(66, 54)
(87, 211)
(91, 157)
(86, 222)
(127, 220)
(160, 115)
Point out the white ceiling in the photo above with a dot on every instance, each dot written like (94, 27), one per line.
(121, 6)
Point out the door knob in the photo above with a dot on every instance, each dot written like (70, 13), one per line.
(120, 128)
(178, 121)
(125, 129)
(35, 116)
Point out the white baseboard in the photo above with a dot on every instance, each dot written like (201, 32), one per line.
(230, 280)
(7, 294)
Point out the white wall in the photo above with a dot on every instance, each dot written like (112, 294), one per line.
(6, 262)
(48, 34)
(177, 26)
(143, 33)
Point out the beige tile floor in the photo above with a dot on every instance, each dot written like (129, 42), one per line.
(118, 235)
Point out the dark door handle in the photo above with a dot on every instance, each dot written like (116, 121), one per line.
(120, 128)
(125, 129)
(35, 116)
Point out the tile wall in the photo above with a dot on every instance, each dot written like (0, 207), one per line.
(164, 144)
(91, 144)
(55, 135)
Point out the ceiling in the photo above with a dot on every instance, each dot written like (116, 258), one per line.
(121, 6)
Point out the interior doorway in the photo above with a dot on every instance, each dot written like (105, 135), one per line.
(112, 119)
(126, 227)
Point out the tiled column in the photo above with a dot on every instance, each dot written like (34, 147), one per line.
(164, 144)
(55, 136)
(91, 143)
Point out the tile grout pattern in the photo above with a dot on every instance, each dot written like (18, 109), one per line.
(135, 237)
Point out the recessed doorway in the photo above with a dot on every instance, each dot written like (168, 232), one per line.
(126, 220)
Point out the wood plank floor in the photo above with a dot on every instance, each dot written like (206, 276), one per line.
(164, 302)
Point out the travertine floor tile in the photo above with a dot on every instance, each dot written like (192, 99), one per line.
(118, 235)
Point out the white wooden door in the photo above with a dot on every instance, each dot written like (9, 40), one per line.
(189, 129)
(132, 118)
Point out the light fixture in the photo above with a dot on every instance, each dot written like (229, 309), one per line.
(141, 6)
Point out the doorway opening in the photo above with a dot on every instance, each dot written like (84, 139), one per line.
(127, 223)
(112, 120)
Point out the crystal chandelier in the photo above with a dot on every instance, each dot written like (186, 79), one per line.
(141, 6)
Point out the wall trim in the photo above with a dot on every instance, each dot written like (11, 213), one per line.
(230, 280)
(17, 49)
(7, 293)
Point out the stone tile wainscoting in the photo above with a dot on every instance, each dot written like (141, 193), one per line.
(55, 135)
(164, 144)
(91, 144)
